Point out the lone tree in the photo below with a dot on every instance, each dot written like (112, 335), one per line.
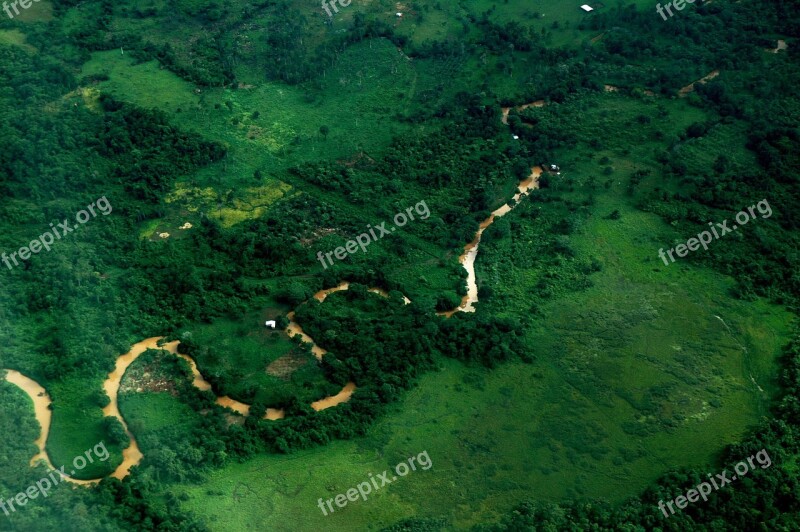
(324, 130)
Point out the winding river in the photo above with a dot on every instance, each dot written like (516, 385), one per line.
(132, 455)
(467, 259)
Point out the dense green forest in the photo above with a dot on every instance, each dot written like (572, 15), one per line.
(236, 140)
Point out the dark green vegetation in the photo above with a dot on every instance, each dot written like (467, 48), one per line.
(590, 370)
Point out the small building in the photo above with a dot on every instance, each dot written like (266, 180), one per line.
(271, 324)
(587, 8)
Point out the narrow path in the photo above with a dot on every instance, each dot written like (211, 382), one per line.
(684, 92)
(506, 110)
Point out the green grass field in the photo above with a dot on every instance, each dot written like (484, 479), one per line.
(633, 377)
(369, 83)
(494, 438)
(76, 427)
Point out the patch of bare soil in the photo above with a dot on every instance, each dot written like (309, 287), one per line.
(316, 235)
(147, 381)
(230, 419)
(284, 366)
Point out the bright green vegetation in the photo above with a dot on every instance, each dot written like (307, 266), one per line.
(144, 84)
(155, 411)
(591, 371)
(275, 125)
(494, 438)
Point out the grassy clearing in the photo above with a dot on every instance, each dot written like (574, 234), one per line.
(15, 38)
(272, 125)
(77, 427)
(424, 23)
(234, 206)
(145, 84)
(560, 17)
(701, 154)
(151, 412)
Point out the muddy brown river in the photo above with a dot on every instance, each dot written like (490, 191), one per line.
(132, 455)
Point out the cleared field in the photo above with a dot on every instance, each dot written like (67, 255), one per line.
(271, 125)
